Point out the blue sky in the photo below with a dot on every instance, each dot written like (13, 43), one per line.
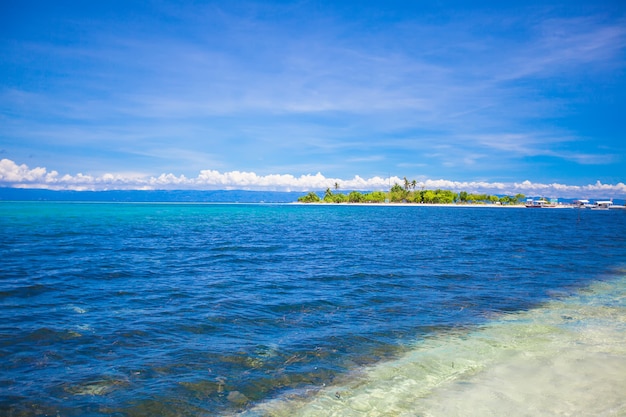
(508, 96)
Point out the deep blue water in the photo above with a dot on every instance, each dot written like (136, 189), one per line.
(208, 309)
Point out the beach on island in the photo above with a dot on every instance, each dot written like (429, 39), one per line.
(419, 205)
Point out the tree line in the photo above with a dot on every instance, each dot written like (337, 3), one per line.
(408, 194)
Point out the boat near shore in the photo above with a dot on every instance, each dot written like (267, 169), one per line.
(602, 205)
(606, 205)
(542, 203)
(581, 204)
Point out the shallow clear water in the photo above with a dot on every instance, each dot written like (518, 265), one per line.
(212, 309)
(566, 358)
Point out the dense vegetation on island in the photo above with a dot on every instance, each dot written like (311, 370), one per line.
(408, 194)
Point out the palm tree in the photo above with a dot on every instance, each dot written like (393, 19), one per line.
(336, 186)
(328, 194)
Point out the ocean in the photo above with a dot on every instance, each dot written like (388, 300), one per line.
(171, 309)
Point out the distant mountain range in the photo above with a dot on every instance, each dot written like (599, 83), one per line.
(174, 196)
(182, 196)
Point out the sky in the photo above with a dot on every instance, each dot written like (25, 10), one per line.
(487, 96)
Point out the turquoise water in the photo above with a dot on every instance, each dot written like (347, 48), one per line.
(217, 309)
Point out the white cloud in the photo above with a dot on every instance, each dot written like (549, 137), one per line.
(21, 176)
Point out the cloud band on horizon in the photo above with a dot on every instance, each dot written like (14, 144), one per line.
(13, 175)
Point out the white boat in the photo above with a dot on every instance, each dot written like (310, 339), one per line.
(530, 203)
(616, 207)
(542, 203)
(602, 205)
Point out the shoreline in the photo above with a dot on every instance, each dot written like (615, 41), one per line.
(418, 205)
(565, 357)
(225, 203)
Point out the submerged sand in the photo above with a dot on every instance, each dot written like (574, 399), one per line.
(567, 358)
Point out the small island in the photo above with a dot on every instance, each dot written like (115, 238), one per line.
(408, 194)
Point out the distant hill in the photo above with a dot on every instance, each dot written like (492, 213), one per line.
(190, 196)
(174, 196)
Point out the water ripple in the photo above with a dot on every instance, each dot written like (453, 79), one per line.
(140, 309)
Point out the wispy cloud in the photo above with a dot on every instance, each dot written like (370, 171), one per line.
(568, 44)
(21, 176)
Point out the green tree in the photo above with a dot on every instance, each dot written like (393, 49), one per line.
(328, 196)
(428, 196)
(309, 198)
(340, 198)
(398, 194)
(445, 196)
(356, 197)
(477, 198)
(375, 197)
